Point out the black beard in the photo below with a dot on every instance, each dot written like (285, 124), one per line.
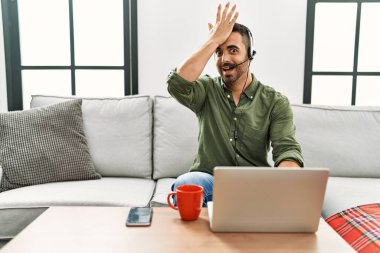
(240, 72)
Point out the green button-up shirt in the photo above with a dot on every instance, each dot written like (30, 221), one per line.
(231, 135)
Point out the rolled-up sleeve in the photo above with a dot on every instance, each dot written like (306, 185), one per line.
(190, 94)
(282, 132)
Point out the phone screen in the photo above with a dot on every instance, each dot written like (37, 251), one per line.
(139, 216)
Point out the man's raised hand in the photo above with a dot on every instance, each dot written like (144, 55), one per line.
(225, 21)
(193, 66)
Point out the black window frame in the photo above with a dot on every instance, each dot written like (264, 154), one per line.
(13, 56)
(308, 74)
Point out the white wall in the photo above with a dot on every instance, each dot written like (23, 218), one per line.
(170, 30)
(3, 87)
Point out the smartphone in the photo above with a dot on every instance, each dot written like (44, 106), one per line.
(139, 216)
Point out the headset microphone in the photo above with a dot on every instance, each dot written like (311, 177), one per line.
(232, 65)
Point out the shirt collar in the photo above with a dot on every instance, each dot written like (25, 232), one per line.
(249, 91)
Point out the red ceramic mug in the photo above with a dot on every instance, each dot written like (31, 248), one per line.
(189, 201)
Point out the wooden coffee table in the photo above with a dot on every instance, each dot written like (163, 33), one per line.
(102, 229)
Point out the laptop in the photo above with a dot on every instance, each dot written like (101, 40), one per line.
(258, 199)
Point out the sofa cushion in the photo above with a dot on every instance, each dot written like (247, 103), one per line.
(344, 192)
(44, 145)
(108, 191)
(175, 138)
(119, 133)
(344, 139)
(163, 188)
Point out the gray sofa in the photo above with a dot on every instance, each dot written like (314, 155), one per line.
(139, 144)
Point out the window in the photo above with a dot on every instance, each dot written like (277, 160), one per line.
(67, 47)
(342, 60)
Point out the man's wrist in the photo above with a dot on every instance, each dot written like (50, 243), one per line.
(212, 43)
(288, 163)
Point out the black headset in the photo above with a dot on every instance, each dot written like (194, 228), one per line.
(246, 31)
(253, 52)
(250, 53)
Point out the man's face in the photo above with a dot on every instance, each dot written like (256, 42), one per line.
(233, 50)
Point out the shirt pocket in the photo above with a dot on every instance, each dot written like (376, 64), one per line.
(254, 138)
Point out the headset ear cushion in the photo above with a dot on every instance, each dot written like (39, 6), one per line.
(252, 54)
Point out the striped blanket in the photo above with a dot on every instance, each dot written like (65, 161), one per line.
(359, 226)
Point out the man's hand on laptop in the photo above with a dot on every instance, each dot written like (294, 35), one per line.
(288, 164)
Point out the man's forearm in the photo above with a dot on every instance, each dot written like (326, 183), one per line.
(193, 67)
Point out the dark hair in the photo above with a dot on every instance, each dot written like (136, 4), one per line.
(247, 37)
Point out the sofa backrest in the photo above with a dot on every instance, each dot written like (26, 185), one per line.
(118, 131)
(119, 134)
(175, 140)
(344, 139)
